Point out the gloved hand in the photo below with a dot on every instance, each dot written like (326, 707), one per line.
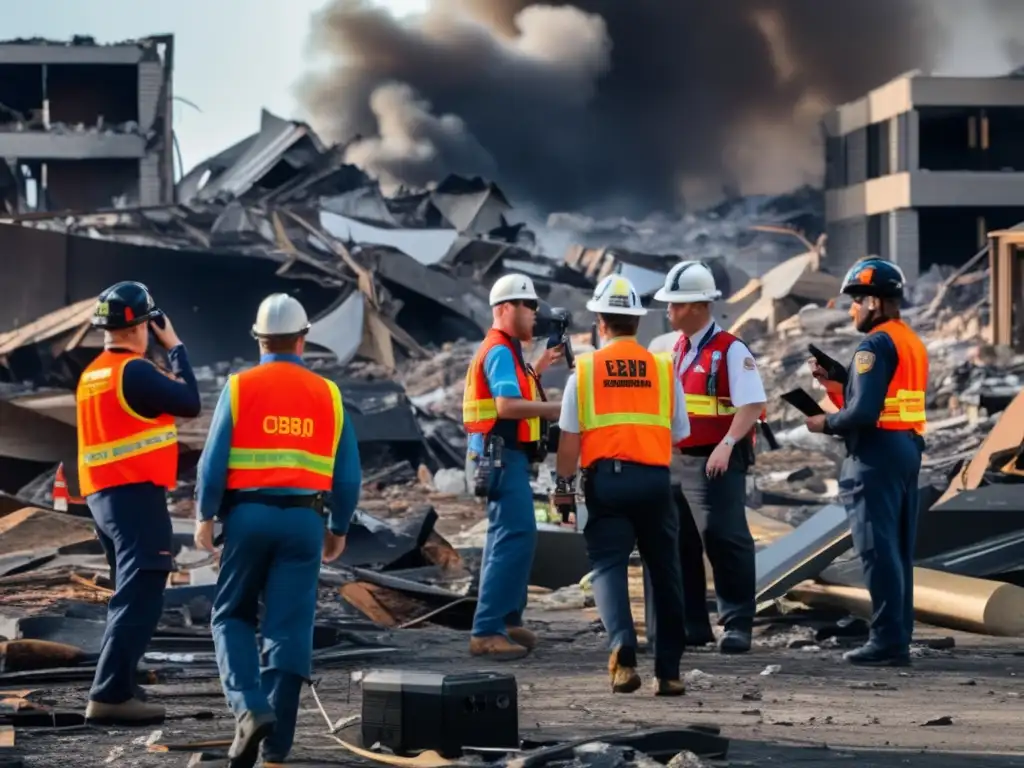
(565, 505)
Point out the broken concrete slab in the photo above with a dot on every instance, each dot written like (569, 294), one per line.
(32, 528)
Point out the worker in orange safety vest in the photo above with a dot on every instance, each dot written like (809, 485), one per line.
(621, 413)
(881, 416)
(127, 462)
(281, 471)
(503, 412)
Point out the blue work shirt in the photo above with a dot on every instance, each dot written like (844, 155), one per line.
(213, 465)
(500, 371)
(151, 393)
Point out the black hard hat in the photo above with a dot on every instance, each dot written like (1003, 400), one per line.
(874, 276)
(123, 305)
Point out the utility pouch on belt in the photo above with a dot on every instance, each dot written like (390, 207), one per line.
(490, 461)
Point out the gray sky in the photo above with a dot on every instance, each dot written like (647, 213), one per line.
(233, 57)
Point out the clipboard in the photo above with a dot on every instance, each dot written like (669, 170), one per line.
(803, 402)
(833, 368)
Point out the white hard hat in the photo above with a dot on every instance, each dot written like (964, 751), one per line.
(688, 282)
(280, 315)
(615, 295)
(513, 288)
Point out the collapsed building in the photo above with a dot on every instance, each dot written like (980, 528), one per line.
(396, 287)
(86, 126)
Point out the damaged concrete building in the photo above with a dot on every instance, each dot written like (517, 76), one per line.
(921, 169)
(85, 126)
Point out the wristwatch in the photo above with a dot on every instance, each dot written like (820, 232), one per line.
(729, 440)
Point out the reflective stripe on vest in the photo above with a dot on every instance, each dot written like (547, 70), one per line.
(625, 403)
(904, 406)
(479, 411)
(116, 445)
(708, 398)
(287, 422)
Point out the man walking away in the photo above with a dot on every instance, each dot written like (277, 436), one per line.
(279, 450)
(621, 414)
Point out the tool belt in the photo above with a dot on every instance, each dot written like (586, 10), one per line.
(314, 501)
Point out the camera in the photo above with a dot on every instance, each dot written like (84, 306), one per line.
(554, 323)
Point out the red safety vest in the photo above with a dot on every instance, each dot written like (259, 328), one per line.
(479, 411)
(706, 386)
(286, 423)
(625, 403)
(117, 446)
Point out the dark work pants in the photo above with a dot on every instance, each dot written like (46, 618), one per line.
(134, 521)
(273, 554)
(721, 503)
(879, 487)
(695, 580)
(634, 507)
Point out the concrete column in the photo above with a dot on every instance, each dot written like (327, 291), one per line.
(913, 141)
(904, 242)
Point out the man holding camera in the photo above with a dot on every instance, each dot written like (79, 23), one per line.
(127, 461)
(622, 413)
(502, 411)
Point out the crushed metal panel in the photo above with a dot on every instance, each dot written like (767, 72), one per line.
(802, 554)
(340, 330)
(471, 205)
(48, 326)
(25, 434)
(427, 246)
(380, 411)
(33, 274)
(211, 169)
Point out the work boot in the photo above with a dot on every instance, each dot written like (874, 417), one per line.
(497, 647)
(734, 641)
(622, 670)
(872, 656)
(250, 731)
(128, 713)
(522, 636)
(669, 688)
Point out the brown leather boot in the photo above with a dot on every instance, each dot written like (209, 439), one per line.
(522, 636)
(669, 688)
(497, 647)
(128, 713)
(622, 670)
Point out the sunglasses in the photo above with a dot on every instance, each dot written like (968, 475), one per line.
(530, 304)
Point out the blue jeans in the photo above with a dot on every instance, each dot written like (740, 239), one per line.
(508, 549)
(273, 555)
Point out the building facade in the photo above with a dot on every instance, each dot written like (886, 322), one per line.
(86, 126)
(921, 169)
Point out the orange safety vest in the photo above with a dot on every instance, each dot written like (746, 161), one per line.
(708, 402)
(117, 446)
(479, 411)
(625, 398)
(905, 399)
(286, 423)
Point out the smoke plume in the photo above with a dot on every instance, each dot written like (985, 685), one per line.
(628, 105)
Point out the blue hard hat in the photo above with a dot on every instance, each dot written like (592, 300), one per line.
(874, 276)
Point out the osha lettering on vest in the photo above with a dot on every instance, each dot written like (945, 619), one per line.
(708, 401)
(286, 423)
(625, 402)
(116, 445)
(479, 411)
(904, 407)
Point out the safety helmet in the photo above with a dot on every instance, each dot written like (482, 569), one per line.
(124, 305)
(874, 276)
(512, 287)
(615, 295)
(280, 315)
(688, 282)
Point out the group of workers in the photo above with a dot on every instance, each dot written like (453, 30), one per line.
(281, 472)
(664, 439)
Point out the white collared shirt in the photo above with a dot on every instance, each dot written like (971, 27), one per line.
(745, 385)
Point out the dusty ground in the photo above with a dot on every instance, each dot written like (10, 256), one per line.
(813, 711)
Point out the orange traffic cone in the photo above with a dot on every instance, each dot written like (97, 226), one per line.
(60, 490)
